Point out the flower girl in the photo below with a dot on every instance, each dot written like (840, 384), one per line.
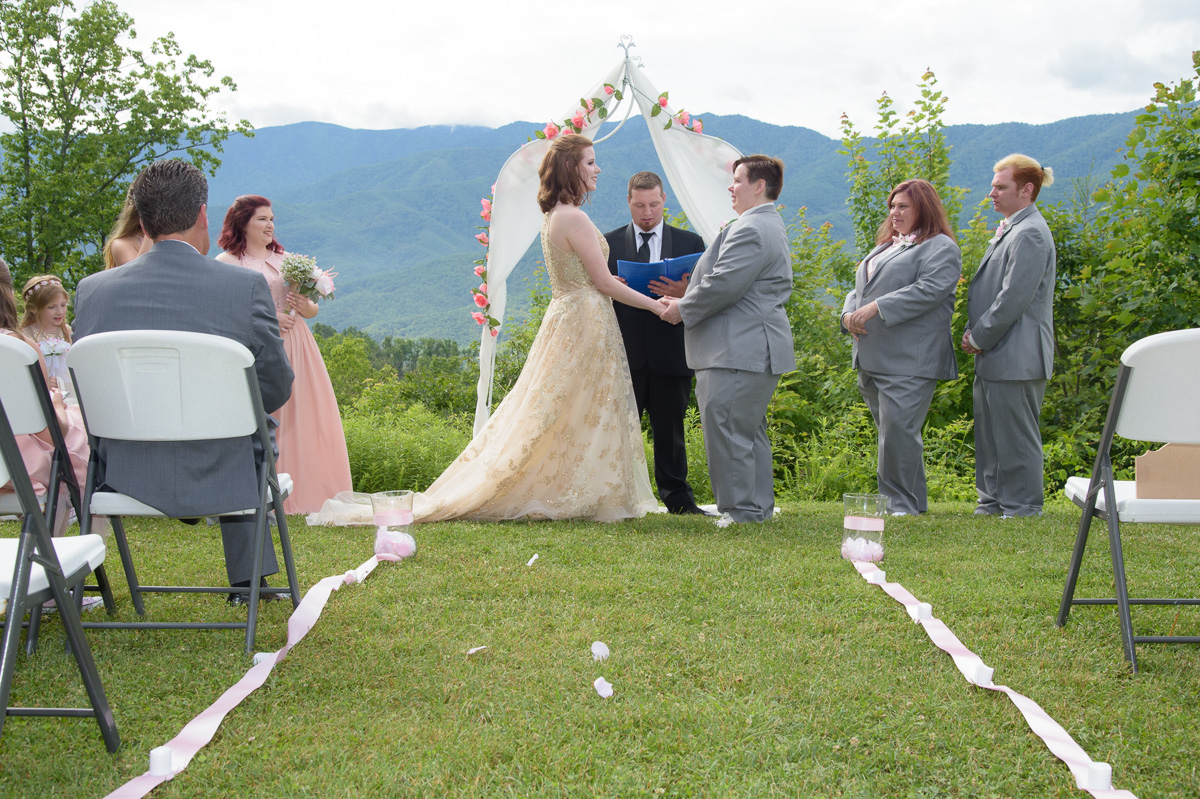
(45, 321)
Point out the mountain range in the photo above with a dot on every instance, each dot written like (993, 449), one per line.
(395, 212)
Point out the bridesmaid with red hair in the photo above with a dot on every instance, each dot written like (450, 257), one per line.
(312, 446)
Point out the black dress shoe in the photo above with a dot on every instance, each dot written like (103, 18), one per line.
(241, 599)
(693, 509)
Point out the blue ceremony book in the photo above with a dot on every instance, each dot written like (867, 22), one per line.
(638, 276)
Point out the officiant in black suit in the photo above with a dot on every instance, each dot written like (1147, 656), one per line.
(662, 381)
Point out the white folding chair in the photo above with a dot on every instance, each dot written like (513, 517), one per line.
(24, 392)
(166, 385)
(1157, 399)
(34, 568)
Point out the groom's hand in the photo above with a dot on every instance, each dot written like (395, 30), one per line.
(670, 310)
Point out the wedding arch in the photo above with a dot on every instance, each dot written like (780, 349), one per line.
(698, 168)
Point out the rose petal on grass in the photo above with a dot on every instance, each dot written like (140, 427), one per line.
(603, 687)
(531, 560)
(476, 650)
(599, 650)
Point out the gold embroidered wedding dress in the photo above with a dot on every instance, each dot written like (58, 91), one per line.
(565, 442)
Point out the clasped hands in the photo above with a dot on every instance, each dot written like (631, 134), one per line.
(670, 291)
(856, 321)
(299, 306)
(967, 346)
(669, 310)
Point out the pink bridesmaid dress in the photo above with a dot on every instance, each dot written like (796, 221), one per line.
(312, 446)
(37, 453)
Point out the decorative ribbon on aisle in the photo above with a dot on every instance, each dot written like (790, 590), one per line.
(1090, 776)
(173, 757)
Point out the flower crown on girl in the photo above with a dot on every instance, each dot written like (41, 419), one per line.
(50, 281)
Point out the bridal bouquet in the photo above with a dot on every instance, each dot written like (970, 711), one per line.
(306, 278)
(54, 346)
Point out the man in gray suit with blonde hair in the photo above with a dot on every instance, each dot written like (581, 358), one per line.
(175, 287)
(739, 340)
(1010, 331)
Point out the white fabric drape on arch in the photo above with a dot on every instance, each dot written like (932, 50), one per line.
(698, 168)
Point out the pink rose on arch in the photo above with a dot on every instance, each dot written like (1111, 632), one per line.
(697, 125)
(551, 130)
(493, 189)
(662, 100)
(483, 288)
(608, 89)
(481, 300)
(486, 213)
(479, 270)
(590, 106)
(478, 317)
(482, 238)
(577, 120)
(495, 332)
(683, 116)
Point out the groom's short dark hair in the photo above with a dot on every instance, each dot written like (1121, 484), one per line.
(644, 180)
(765, 168)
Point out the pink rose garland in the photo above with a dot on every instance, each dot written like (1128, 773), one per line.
(479, 295)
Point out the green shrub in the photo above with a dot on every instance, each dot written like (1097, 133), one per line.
(697, 458)
(837, 457)
(404, 448)
(950, 461)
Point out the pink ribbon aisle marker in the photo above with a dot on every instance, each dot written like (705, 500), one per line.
(1091, 776)
(173, 757)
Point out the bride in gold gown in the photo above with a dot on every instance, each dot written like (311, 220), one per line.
(566, 442)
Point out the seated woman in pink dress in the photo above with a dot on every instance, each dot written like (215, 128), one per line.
(312, 446)
(37, 450)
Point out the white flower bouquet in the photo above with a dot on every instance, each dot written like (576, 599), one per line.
(306, 278)
(54, 346)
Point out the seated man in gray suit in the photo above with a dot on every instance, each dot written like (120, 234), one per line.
(175, 287)
(1010, 331)
(739, 339)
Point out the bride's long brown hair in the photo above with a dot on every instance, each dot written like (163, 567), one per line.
(559, 172)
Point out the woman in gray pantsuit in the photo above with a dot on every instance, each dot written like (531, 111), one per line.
(899, 316)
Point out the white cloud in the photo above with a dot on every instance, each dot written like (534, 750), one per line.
(794, 62)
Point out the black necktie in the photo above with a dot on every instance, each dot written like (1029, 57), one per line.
(643, 252)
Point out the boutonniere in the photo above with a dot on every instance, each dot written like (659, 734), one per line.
(905, 241)
(1000, 228)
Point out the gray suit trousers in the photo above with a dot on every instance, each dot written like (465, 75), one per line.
(733, 414)
(898, 404)
(1008, 446)
(237, 532)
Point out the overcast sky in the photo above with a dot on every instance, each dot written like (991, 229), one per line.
(373, 64)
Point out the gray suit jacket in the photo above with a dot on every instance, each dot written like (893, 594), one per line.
(914, 289)
(1010, 304)
(733, 310)
(173, 287)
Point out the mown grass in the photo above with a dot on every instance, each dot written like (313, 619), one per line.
(750, 661)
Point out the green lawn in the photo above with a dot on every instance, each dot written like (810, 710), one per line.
(749, 661)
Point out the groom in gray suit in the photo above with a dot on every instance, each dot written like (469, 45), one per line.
(1010, 331)
(739, 340)
(175, 287)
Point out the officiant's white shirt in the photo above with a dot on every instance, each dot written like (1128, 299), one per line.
(655, 240)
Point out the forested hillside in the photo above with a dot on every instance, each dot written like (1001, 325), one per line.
(394, 212)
